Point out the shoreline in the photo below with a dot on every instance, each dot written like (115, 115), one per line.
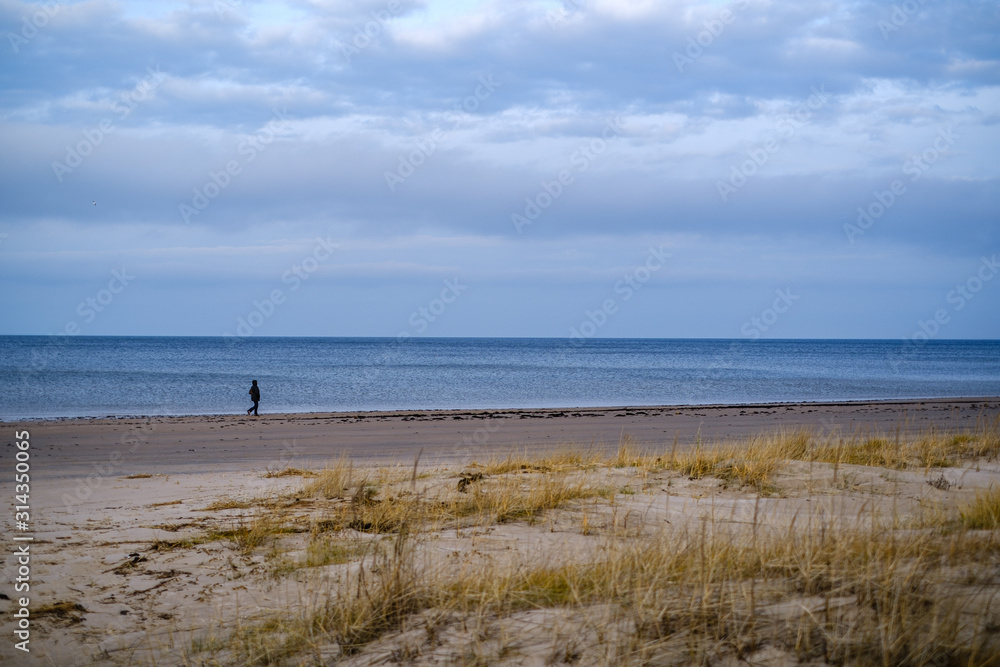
(233, 443)
(391, 412)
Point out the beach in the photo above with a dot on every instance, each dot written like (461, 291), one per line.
(232, 443)
(616, 333)
(145, 530)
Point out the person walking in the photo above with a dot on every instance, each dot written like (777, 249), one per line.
(255, 397)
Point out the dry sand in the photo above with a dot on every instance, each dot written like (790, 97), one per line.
(104, 491)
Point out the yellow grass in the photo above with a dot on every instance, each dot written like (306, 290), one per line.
(867, 596)
(752, 463)
(877, 585)
(928, 450)
(984, 511)
(558, 461)
(237, 504)
(372, 508)
(289, 472)
(247, 533)
(331, 482)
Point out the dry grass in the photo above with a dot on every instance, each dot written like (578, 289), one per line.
(877, 585)
(247, 533)
(558, 461)
(511, 497)
(374, 507)
(162, 546)
(752, 463)
(289, 472)
(233, 504)
(722, 587)
(69, 613)
(983, 512)
(861, 595)
(325, 550)
(367, 608)
(331, 482)
(165, 504)
(930, 450)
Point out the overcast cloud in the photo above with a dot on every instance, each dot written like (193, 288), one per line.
(535, 152)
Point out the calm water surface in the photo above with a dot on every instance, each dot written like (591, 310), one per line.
(47, 376)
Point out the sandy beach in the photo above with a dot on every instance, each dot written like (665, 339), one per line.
(141, 551)
(233, 443)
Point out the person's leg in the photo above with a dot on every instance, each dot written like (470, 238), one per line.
(255, 404)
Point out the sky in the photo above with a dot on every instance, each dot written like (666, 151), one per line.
(590, 168)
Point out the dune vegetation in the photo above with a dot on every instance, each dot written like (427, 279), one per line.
(787, 547)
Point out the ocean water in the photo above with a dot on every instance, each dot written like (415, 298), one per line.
(50, 376)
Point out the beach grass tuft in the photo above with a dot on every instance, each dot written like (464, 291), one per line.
(289, 472)
(612, 567)
(332, 481)
(984, 511)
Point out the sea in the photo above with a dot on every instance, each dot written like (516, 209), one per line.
(96, 376)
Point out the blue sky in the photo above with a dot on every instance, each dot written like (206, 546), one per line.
(479, 168)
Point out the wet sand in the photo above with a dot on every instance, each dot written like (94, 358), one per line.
(172, 445)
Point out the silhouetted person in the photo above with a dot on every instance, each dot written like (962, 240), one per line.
(255, 397)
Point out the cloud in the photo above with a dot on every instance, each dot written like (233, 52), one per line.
(748, 120)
